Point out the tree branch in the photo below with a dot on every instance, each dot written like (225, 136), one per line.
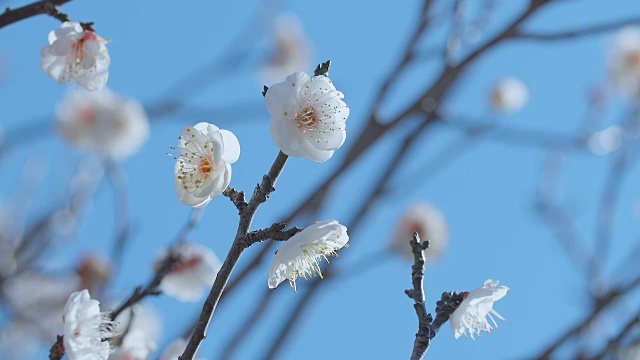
(424, 335)
(48, 7)
(614, 344)
(260, 195)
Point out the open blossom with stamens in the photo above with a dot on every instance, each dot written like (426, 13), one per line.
(86, 330)
(103, 122)
(300, 256)
(509, 95)
(429, 223)
(76, 54)
(308, 116)
(477, 305)
(203, 170)
(624, 61)
(193, 274)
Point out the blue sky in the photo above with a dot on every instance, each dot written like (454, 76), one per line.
(487, 194)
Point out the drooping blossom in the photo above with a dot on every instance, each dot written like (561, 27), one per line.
(76, 55)
(103, 122)
(291, 52)
(174, 350)
(193, 274)
(471, 316)
(87, 330)
(429, 223)
(509, 95)
(308, 116)
(624, 61)
(141, 328)
(203, 168)
(300, 256)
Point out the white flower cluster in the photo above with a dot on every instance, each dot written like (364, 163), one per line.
(308, 120)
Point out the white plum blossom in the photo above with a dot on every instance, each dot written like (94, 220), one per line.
(174, 350)
(509, 95)
(624, 61)
(103, 122)
(86, 329)
(477, 305)
(291, 52)
(193, 274)
(300, 256)
(76, 54)
(429, 223)
(141, 334)
(606, 140)
(203, 168)
(308, 116)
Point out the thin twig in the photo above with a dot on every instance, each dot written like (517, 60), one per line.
(57, 350)
(572, 34)
(152, 288)
(424, 335)
(603, 303)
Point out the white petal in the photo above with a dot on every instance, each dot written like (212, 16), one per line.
(231, 146)
(282, 98)
(311, 153)
(286, 135)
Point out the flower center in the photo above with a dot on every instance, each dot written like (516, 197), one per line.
(307, 264)
(78, 47)
(196, 164)
(205, 167)
(87, 116)
(306, 118)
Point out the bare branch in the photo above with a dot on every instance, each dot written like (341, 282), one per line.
(614, 344)
(577, 33)
(424, 335)
(600, 305)
(152, 287)
(260, 195)
(37, 8)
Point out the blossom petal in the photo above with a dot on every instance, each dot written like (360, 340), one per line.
(231, 146)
